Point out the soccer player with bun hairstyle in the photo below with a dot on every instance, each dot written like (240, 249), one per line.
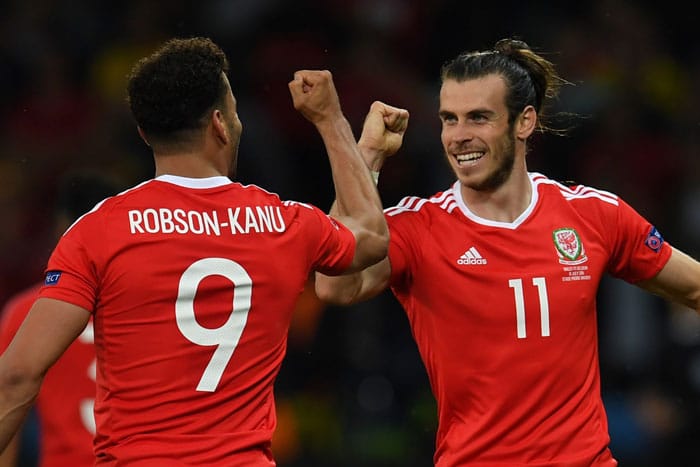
(499, 273)
(191, 278)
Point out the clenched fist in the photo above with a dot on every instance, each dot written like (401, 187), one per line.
(382, 133)
(314, 95)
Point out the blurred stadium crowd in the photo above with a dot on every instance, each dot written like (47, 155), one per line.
(352, 390)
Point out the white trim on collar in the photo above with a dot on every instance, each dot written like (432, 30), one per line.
(208, 182)
(504, 225)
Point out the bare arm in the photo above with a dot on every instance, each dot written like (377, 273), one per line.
(8, 458)
(382, 136)
(678, 281)
(46, 332)
(359, 206)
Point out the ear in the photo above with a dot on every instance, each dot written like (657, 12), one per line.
(219, 127)
(526, 123)
(142, 135)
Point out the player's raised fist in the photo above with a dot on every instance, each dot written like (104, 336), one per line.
(383, 129)
(314, 95)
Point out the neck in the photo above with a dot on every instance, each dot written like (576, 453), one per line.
(504, 203)
(189, 165)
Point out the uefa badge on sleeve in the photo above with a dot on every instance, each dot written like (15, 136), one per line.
(654, 240)
(52, 277)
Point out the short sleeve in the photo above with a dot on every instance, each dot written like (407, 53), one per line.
(639, 250)
(71, 273)
(334, 243)
(404, 246)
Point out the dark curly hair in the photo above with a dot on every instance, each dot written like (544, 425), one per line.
(172, 90)
(530, 78)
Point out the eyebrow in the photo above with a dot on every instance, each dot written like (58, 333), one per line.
(471, 113)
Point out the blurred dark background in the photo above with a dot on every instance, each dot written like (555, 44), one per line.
(353, 390)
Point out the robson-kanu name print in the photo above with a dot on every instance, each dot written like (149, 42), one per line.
(240, 220)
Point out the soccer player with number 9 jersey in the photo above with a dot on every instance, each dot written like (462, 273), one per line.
(191, 278)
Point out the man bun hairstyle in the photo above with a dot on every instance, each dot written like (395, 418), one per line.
(530, 79)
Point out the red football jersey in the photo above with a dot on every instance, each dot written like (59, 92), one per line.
(67, 395)
(504, 316)
(192, 283)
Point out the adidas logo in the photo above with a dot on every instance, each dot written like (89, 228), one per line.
(471, 256)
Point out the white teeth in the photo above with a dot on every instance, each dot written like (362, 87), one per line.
(471, 156)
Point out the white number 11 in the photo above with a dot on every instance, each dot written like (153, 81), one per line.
(517, 286)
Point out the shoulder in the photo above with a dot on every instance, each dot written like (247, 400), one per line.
(101, 209)
(575, 193)
(271, 198)
(256, 190)
(301, 214)
(443, 202)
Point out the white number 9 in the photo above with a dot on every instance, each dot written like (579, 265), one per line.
(225, 337)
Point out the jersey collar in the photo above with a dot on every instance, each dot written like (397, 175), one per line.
(456, 188)
(208, 182)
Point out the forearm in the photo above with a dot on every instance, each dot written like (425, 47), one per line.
(357, 200)
(16, 399)
(8, 457)
(338, 290)
(352, 288)
(678, 281)
(374, 158)
(355, 188)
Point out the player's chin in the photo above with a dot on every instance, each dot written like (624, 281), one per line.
(473, 178)
(466, 171)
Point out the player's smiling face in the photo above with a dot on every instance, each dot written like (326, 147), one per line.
(478, 142)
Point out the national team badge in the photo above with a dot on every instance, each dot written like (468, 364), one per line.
(569, 246)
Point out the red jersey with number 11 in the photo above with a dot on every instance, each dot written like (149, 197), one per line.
(192, 283)
(504, 316)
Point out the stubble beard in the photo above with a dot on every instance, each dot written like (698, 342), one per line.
(503, 171)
